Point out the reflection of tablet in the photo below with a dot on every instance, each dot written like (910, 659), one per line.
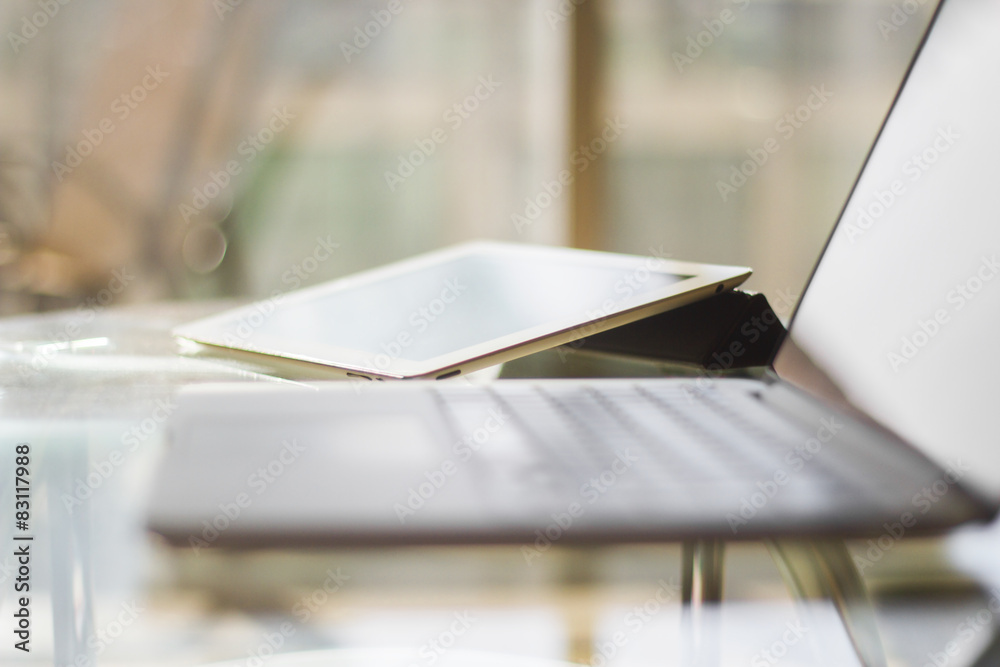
(460, 309)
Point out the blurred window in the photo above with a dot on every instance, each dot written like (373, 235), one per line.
(235, 149)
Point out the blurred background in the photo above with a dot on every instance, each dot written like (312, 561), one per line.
(176, 149)
(234, 148)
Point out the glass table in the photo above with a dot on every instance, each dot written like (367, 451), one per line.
(91, 394)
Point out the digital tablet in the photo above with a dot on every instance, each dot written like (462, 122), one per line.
(459, 309)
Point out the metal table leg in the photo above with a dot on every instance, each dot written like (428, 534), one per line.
(824, 570)
(701, 593)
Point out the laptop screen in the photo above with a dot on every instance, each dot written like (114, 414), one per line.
(903, 311)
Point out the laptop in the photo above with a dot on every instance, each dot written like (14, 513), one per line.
(877, 416)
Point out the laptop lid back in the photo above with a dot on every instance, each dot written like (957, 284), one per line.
(903, 311)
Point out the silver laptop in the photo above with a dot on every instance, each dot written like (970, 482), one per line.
(878, 414)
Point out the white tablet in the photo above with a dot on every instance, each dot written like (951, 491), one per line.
(460, 309)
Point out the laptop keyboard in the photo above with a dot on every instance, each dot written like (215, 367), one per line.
(657, 441)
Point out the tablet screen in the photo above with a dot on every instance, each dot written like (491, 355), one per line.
(457, 304)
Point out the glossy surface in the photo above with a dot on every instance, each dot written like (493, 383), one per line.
(458, 308)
